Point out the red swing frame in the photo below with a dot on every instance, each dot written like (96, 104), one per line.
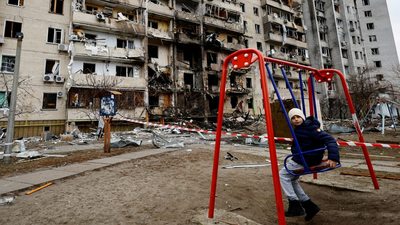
(244, 58)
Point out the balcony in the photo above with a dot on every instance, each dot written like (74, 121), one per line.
(192, 39)
(159, 9)
(82, 114)
(232, 46)
(191, 17)
(236, 27)
(89, 81)
(272, 19)
(277, 4)
(165, 35)
(273, 37)
(108, 25)
(110, 53)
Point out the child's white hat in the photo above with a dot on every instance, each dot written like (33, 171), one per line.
(296, 112)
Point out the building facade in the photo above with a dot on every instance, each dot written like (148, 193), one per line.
(161, 59)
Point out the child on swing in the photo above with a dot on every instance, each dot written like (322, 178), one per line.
(310, 137)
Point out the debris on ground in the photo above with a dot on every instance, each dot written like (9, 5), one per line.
(5, 200)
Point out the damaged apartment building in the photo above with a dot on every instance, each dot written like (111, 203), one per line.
(160, 59)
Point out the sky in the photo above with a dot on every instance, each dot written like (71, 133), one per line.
(394, 13)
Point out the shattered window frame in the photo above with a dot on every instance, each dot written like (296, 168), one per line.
(87, 68)
(250, 104)
(51, 67)
(54, 35)
(154, 100)
(4, 99)
(7, 64)
(153, 51)
(16, 2)
(12, 28)
(49, 101)
(56, 7)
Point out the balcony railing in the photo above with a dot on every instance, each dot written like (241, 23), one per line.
(160, 9)
(234, 26)
(108, 24)
(192, 17)
(167, 35)
(87, 49)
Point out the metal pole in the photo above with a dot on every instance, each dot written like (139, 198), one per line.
(13, 103)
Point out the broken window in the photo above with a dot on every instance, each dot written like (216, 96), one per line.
(52, 67)
(49, 101)
(245, 25)
(378, 64)
(229, 39)
(12, 28)
(91, 38)
(354, 39)
(259, 46)
(344, 53)
(121, 43)
(242, 7)
(375, 51)
(123, 71)
(154, 101)
(372, 38)
(368, 13)
(379, 77)
(153, 51)
(56, 6)
(212, 82)
(91, 9)
(246, 43)
(234, 101)
(188, 80)
(153, 24)
(16, 2)
(248, 82)
(250, 103)
(255, 11)
(323, 36)
(257, 28)
(89, 68)
(356, 54)
(4, 99)
(370, 26)
(7, 64)
(54, 35)
(365, 2)
(211, 58)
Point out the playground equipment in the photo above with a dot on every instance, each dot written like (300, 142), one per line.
(243, 59)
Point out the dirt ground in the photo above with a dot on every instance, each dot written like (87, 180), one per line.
(173, 188)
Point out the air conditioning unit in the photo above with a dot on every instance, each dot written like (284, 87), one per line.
(60, 79)
(63, 47)
(60, 94)
(48, 77)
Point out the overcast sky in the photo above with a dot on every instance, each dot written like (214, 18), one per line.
(394, 12)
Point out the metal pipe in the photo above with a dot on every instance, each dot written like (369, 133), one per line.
(13, 103)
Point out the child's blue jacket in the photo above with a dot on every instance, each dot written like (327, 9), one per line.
(310, 137)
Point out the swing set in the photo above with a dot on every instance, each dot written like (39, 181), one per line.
(243, 59)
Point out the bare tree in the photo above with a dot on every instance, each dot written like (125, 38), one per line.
(25, 98)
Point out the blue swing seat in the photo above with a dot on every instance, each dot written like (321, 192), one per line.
(320, 168)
